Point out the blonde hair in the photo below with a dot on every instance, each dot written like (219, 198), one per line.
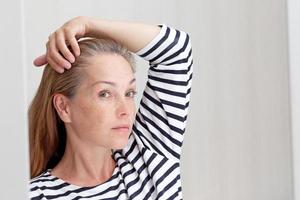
(47, 133)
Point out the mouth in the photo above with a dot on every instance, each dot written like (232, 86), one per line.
(121, 128)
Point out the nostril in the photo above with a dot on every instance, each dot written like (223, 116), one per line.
(122, 111)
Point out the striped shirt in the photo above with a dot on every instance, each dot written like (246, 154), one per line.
(149, 166)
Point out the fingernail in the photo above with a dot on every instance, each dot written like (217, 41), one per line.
(68, 65)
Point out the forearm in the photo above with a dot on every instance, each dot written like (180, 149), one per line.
(132, 35)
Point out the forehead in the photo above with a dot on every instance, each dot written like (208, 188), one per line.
(108, 67)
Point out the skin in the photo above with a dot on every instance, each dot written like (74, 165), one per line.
(59, 56)
(89, 119)
(104, 101)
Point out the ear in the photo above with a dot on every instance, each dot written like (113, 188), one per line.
(62, 106)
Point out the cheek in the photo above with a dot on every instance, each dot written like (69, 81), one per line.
(86, 115)
(96, 114)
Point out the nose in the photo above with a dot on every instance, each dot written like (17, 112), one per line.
(122, 109)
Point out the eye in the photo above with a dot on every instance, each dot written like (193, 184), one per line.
(104, 94)
(131, 93)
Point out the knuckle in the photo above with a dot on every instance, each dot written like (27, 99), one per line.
(64, 29)
(57, 33)
(69, 35)
(50, 36)
(63, 51)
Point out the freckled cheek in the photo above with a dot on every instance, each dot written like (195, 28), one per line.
(89, 116)
(101, 116)
(98, 114)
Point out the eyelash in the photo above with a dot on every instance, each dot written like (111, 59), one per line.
(133, 92)
(102, 93)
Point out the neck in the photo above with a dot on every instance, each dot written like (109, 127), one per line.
(83, 164)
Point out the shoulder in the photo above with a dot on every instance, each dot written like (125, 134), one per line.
(43, 176)
(38, 183)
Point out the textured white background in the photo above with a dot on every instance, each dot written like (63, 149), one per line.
(238, 142)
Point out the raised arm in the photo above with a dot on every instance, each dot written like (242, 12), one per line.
(134, 36)
(161, 119)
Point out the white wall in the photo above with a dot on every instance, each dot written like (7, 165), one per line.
(13, 142)
(238, 140)
(294, 50)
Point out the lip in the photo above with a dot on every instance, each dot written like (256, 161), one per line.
(121, 128)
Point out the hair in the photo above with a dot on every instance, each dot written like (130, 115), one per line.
(47, 133)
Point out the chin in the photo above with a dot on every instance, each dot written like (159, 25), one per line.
(121, 144)
(119, 139)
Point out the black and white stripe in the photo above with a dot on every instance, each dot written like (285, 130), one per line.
(148, 167)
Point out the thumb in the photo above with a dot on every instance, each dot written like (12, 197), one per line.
(41, 60)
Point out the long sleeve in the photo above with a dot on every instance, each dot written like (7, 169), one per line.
(161, 118)
(148, 167)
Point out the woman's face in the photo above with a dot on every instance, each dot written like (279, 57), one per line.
(103, 109)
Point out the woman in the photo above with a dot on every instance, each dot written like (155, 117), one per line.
(86, 142)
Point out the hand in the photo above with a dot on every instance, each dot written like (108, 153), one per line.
(62, 46)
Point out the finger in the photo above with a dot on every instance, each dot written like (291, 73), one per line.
(52, 63)
(62, 47)
(53, 54)
(73, 43)
(41, 60)
(55, 66)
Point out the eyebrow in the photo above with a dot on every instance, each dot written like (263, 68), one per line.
(112, 83)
